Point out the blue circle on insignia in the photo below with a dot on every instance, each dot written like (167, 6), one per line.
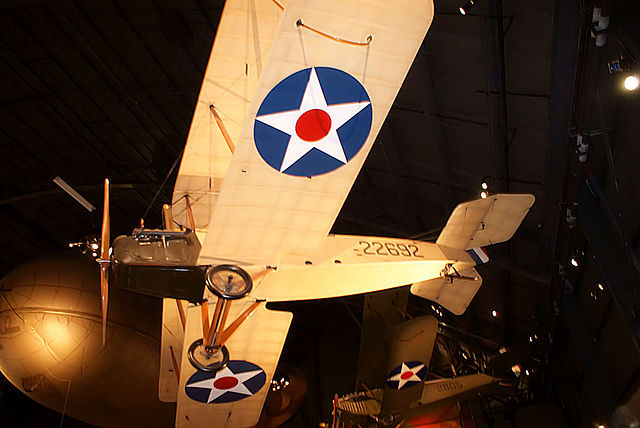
(238, 380)
(313, 122)
(406, 374)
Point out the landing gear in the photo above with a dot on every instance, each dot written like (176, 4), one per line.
(228, 283)
(205, 360)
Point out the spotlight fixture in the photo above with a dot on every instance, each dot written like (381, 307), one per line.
(494, 313)
(624, 66)
(483, 195)
(631, 82)
(467, 6)
(619, 65)
(484, 185)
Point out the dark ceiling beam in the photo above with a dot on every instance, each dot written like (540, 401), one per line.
(429, 105)
(510, 265)
(451, 121)
(146, 121)
(387, 144)
(95, 96)
(56, 192)
(503, 89)
(73, 126)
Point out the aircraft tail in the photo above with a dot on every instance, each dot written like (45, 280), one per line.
(484, 222)
(471, 226)
(454, 290)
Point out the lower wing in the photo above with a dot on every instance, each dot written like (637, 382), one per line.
(234, 396)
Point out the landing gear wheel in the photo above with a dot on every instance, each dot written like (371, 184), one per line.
(205, 361)
(387, 420)
(228, 281)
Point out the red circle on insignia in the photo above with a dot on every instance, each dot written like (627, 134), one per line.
(406, 375)
(226, 382)
(313, 125)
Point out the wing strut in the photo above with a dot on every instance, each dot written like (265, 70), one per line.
(225, 134)
(192, 222)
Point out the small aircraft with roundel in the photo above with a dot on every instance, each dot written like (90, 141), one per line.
(293, 97)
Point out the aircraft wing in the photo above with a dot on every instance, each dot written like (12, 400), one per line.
(171, 341)
(438, 391)
(291, 171)
(243, 39)
(234, 396)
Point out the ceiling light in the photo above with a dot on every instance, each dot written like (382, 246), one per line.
(94, 245)
(483, 195)
(574, 262)
(600, 287)
(466, 6)
(484, 185)
(494, 313)
(631, 82)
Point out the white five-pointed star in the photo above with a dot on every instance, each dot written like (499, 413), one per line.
(215, 392)
(404, 369)
(313, 98)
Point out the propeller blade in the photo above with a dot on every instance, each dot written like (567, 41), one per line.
(104, 263)
(104, 243)
(104, 294)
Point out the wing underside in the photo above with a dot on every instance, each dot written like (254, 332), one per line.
(262, 213)
(259, 342)
(243, 40)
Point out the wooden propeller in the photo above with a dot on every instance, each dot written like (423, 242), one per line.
(104, 261)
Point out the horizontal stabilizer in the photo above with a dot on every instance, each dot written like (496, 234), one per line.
(453, 291)
(485, 221)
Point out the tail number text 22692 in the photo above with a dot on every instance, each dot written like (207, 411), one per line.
(376, 248)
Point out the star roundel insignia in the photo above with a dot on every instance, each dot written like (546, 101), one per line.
(238, 380)
(407, 374)
(313, 122)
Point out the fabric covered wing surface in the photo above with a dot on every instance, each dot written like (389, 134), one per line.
(242, 42)
(258, 341)
(262, 213)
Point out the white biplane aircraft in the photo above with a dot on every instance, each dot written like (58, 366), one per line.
(292, 99)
